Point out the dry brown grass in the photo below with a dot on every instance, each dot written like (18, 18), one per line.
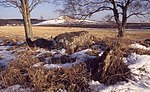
(21, 71)
(17, 32)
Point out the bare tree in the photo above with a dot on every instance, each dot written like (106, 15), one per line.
(122, 9)
(25, 7)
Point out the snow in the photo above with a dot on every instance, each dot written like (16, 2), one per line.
(140, 82)
(139, 46)
(62, 51)
(80, 56)
(137, 61)
(65, 20)
(6, 55)
(54, 66)
(139, 65)
(88, 21)
(52, 52)
(119, 87)
(53, 21)
(16, 88)
(38, 64)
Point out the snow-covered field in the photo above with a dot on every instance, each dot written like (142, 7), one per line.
(139, 65)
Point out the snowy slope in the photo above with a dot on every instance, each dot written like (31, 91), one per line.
(66, 20)
(50, 22)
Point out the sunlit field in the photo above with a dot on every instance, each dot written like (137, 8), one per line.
(17, 32)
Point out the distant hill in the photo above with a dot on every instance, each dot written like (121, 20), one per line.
(67, 20)
(4, 22)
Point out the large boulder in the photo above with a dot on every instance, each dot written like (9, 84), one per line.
(73, 41)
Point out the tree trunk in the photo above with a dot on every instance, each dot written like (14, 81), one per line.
(27, 22)
(116, 15)
(120, 31)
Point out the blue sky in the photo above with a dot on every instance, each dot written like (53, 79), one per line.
(47, 11)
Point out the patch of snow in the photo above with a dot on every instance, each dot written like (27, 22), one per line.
(16, 88)
(53, 52)
(118, 87)
(20, 43)
(59, 53)
(137, 61)
(62, 51)
(41, 52)
(52, 66)
(88, 21)
(82, 56)
(51, 22)
(7, 56)
(38, 64)
(140, 82)
(66, 65)
(4, 48)
(139, 46)
(66, 20)
(100, 54)
(62, 90)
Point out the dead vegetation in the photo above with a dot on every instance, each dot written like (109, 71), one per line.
(107, 69)
(21, 71)
(110, 68)
(17, 32)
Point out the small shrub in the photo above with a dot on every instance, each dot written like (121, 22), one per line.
(110, 68)
(114, 69)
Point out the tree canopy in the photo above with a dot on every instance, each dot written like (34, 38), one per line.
(122, 9)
